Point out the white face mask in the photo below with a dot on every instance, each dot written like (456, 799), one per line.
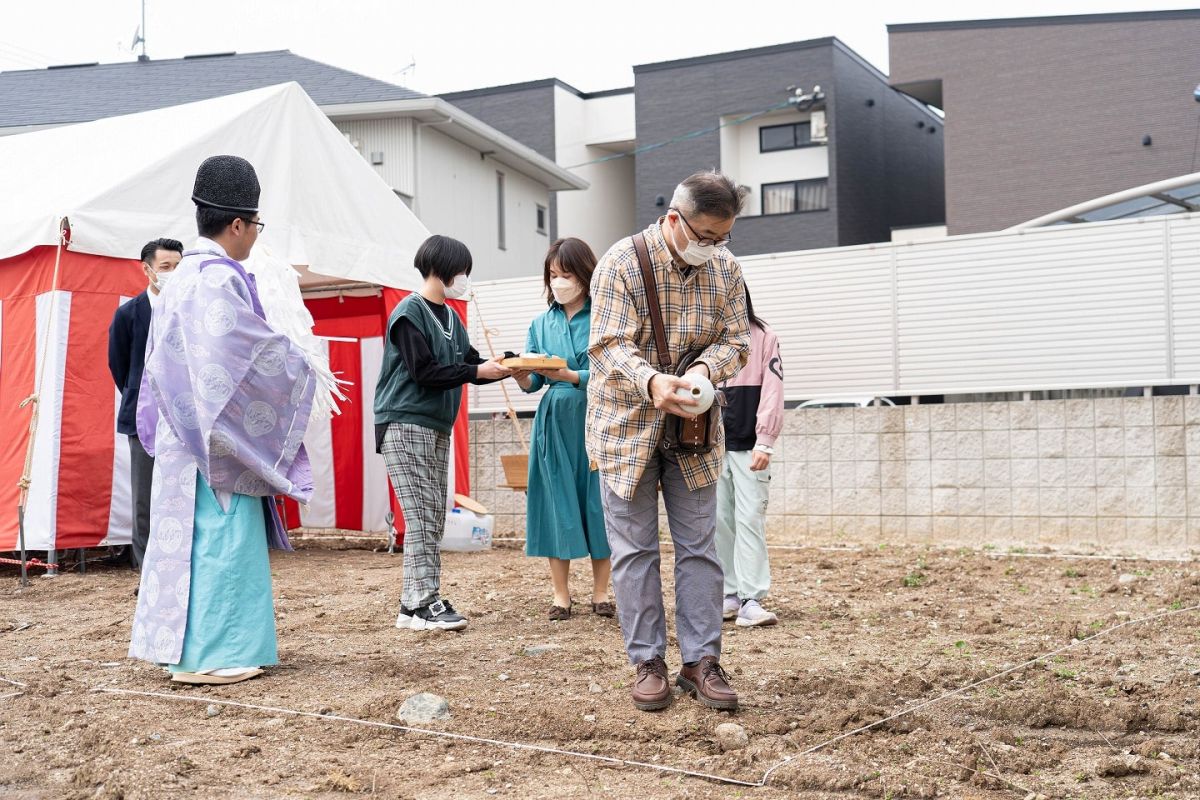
(161, 278)
(458, 288)
(694, 253)
(565, 290)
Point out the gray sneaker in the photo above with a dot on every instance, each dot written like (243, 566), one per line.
(731, 606)
(753, 615)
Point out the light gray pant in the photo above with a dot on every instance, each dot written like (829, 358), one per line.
(637, 583)
(742, 526)
(417, 460)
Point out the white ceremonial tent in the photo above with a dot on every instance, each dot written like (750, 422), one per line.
(115, 184)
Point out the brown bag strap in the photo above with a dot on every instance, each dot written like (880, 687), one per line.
(656, 320)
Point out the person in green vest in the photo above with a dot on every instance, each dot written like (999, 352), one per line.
(564, 518)
(426, 361)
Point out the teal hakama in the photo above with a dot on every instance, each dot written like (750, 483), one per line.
(231, 616)
(564, 518)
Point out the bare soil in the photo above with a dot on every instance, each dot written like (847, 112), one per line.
(864, 635)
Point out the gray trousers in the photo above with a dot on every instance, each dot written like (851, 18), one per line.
(141, 468)
(417, 460)
(637, 583)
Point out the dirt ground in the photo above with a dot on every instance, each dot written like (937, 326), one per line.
(864, 634)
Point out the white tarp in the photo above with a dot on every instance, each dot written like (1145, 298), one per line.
(123, 181)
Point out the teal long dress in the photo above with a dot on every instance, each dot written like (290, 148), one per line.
(563, 514)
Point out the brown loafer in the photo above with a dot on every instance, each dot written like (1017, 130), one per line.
(651, 688)
(558, 613)
(605, 609)
(709, 683)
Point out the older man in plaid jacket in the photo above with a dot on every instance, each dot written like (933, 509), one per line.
(701, 293)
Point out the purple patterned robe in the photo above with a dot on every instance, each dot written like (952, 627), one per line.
(224, 394)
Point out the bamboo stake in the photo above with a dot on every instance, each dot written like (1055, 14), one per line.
(512, 413)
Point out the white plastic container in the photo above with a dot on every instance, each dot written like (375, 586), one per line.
(467, 532)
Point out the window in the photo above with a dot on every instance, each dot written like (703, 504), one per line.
(784, 137)
(500, 211)
(794, 196)
(541, 219)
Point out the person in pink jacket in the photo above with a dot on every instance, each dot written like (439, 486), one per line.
(753, 420)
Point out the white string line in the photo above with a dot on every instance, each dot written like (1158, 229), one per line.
(13, 694)
(428, 732)
(641, 764)
(927, 703)
(14, 683)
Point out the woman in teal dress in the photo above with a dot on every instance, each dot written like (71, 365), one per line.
(564, 520)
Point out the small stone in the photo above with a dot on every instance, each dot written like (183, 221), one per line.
(539, 649)
(1126, 578)
(212, 710)
(595, 688)
(324, 711)
(503, 676)
(731, 736)
(589, 717)
(423, 707)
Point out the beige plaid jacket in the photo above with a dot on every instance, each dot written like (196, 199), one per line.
(702, 307)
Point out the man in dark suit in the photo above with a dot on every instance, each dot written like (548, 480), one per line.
(126, 355)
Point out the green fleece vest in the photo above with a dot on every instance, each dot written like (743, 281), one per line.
(398, 398)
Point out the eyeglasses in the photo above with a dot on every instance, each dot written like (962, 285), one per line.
(255, 223)
(703, 241)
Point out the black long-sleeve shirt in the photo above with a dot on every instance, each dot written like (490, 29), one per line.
(423, 367)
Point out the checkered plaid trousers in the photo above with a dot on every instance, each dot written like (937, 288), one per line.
(417, 459)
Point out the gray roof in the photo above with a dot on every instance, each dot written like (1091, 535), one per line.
(1025, 22)
(67, 94)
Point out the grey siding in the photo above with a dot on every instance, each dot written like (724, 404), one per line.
(525, 114)
(1041, 115)
(889, 170)
(676, 98)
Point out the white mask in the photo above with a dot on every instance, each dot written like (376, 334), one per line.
(694, 253)
(458, 288)
(160, 280)
(565, 290)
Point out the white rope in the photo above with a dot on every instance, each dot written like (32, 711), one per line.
(13, 694)
(428, 732)
(14, 683)
(969, 686)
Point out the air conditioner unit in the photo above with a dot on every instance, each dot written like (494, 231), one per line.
(818, 129)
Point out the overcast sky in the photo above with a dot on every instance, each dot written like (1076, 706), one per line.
(468, 44)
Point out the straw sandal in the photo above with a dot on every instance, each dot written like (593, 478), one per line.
(209, 676)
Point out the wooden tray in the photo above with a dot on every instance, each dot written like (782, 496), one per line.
(549, 362)
(516, 471)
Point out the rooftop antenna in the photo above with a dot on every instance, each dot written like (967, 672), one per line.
(139, 36)
(411, 68)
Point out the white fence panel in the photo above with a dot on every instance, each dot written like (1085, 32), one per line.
(1086, 305)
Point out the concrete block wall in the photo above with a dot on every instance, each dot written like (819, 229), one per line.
(1103, 475)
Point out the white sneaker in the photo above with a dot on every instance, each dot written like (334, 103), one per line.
(730, 608)
(404, 619)
(752, 615)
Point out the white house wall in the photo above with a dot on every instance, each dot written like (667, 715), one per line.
(1089, 305)
(456, 196)
(395, 139)
(741, 159)
(604, 212)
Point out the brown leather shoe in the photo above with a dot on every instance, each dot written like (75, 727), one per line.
(709, 683)
(651, 688)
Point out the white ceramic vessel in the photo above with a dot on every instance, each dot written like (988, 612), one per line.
(701, 392)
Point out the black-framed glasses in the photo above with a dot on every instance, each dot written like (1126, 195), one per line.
(255, 223)
(703, 241)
